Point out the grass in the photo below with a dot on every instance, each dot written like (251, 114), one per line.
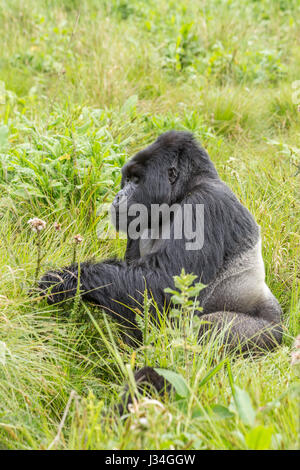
(83, 85)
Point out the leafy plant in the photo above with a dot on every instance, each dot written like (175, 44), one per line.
(185, 303)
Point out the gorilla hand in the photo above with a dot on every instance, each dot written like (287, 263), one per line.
(59, 285)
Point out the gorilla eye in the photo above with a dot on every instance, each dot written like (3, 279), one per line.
(135, 179)
(172, 173)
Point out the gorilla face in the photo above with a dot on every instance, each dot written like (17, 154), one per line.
(144, 181)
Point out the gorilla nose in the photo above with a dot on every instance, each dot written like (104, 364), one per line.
(119, 199)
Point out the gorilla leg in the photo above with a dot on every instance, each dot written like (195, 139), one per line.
(240, 303)
(244, 332)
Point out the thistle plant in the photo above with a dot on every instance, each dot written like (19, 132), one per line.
(295, 356)
(77, 240)
(184, 300)
(143, 322)
(57, 226)
(37, 225)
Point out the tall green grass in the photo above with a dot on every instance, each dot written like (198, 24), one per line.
(84, 85)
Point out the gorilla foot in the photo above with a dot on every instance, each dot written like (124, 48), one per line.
(146, 379)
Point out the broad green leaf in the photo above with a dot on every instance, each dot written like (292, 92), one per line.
(178, 300)
(222, 411)
(259, 438)
(214, 412)
(244, 406)
(170, 291)
(176, 380)
(194, 291)
(197, 412)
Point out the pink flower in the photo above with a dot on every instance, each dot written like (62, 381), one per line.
(295, 356)
(37, 224)
(78, 239)
(57, 226)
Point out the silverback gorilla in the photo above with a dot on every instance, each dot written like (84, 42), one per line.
(176, 170)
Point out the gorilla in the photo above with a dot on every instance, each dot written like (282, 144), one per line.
(176, 170)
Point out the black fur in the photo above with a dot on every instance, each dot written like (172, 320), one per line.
(146, 379)
(175, 169)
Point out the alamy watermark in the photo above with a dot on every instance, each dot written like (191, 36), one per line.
(159, 222)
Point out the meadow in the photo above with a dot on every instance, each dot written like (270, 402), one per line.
(83, 86)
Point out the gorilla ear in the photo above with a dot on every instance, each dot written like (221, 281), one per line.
(172, 174)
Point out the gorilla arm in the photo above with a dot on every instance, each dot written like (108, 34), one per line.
(114, 285)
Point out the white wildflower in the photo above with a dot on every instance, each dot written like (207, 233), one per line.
(37, 224)
(144, 422)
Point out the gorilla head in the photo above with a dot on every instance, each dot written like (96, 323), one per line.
(163, 173)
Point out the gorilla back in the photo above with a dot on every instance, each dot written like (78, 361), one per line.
(176, 171)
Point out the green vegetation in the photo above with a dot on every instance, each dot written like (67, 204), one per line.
(83, 85)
